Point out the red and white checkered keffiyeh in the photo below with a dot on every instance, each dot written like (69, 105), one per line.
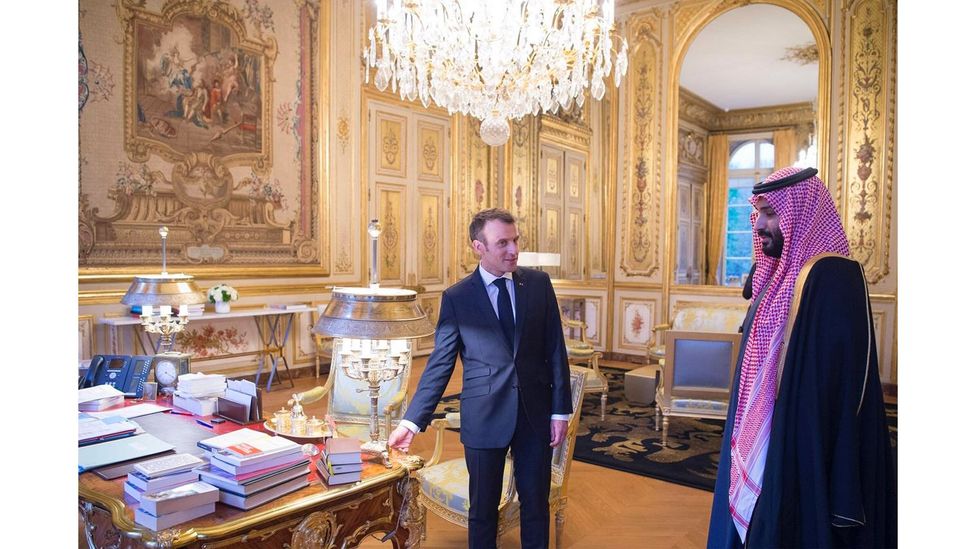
(810, 225)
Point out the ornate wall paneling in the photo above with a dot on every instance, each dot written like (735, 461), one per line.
(565, 155)
(884, 308)
(346, 196)
(522, 191)
(641, 219)
(212, 130)
(866, 147)
(86, 336)
(637, 313)
(473, 191)
(409, 165)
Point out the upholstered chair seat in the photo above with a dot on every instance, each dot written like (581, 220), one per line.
(444, 485)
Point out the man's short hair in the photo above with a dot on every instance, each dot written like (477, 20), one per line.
(477, 226)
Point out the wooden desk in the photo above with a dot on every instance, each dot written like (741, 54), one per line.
(274, 328)
(384, 501)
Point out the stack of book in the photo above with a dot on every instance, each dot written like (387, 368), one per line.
(99, 397)
(157, 475)
(161, 510)
(197, 392)
(341, 462)
(253, 468)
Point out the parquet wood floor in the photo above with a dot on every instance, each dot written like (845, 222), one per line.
(607, 509)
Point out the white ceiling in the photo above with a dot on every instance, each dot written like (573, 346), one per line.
(735, 61)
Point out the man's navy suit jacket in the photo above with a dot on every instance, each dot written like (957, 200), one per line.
(497, 377)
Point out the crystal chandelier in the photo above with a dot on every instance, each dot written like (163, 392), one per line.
(496, 60)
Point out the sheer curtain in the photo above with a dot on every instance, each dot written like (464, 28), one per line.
(718, 190)
(784, 147)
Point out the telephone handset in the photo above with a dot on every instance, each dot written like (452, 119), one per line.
(125, 373)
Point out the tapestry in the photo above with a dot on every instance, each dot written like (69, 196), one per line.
(199, 115)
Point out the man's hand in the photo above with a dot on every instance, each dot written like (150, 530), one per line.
(401, 437)
(557, 431)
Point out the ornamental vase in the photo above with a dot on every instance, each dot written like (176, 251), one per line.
(222, 307)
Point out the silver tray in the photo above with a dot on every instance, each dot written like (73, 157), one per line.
(325, 432)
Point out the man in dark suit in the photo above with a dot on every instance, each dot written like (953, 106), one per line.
(504, 322)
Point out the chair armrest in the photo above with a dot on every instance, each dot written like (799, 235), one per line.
(395, 403)
(453, 419)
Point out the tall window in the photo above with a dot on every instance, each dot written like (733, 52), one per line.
(750, 161)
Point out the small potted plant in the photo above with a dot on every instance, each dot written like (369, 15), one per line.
(221, 295)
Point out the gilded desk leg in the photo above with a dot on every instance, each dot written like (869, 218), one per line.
(413, 519)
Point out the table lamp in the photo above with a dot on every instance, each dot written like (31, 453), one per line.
(167, 292)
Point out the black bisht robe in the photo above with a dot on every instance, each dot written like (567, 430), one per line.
(829, 479)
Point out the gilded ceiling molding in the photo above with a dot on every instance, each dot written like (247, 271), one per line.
(642, 192)
(868, 173)
(795, 114)
(697, 110)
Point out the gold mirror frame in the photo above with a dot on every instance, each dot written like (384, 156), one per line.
(683, 40)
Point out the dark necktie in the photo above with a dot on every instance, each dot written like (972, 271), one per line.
(505, 311)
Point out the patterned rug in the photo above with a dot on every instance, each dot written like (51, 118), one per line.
(626, 439)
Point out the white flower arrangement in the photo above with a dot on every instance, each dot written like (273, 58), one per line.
(222, 293)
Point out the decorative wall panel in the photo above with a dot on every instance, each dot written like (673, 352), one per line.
(392, 243)
(86, 336)
(640, 220)
(430, 237)
(430, 152)
(210, 131)
(391, 142)
(636, 324)
(345, 144)
(867, 172)
(473, 192)
(523, 163)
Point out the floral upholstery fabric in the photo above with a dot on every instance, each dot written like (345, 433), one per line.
(348, 401)
(710, 319)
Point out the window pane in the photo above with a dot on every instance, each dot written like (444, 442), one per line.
(739, 219)
(736, 270)
(738, 245)
(765, 155)
(740, 196)
(744, 157)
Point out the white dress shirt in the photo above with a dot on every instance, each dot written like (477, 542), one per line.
(489, 280)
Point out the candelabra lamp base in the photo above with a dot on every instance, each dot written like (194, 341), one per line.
(377, 448)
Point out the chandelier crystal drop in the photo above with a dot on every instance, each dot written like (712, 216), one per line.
(497, 60)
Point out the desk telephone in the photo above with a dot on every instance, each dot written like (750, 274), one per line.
(125, 373)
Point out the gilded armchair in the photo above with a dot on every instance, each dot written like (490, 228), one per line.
(581, 351)
(697, 316)
(444, 485)
(348, 403)
(697, 376)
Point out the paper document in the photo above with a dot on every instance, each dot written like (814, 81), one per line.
(130, 412)
(98, 392)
